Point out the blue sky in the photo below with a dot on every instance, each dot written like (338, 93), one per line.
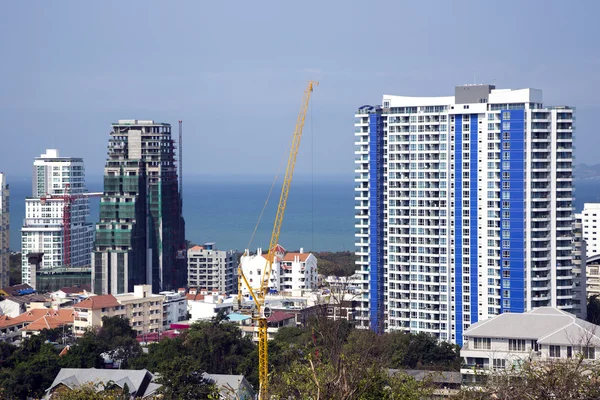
(234, 72)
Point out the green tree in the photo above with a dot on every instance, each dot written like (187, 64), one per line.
(85, 353)
(30, 369)
(182, 378)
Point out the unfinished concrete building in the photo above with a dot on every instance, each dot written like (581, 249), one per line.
(140, 238)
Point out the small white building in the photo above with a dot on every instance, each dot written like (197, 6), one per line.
(174, 308)
(511, 339)
(208, 306)
(290, 271)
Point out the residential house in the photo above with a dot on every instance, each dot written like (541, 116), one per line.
(140, 383)
(89, 312)
(17, 305)
(13, 329)
(276, 320)
(232, 387)
(509, 340)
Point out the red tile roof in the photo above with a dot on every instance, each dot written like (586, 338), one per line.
(98, 302)
(48, 322)
(76, 289)
(279, 316)
(292, 256)
(65, 315)
(197, 248)
(193, 297)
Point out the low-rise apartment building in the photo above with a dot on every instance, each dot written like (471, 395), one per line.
(174, 308)
(209, 268)
(143, 309)
(290, 271)
(508, 340)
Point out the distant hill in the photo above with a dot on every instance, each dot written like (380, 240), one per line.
(584, 171)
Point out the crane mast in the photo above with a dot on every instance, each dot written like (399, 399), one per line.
(259, 294)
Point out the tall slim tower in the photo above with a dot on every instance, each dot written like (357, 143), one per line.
(42, 230)
(4, 230)
(464, 208)
(141, 234)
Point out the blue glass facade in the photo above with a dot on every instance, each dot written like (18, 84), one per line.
(473, 186)
(376, 224)
(512, 214)
(458, 234)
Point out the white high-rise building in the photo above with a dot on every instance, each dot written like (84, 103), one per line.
(4, 231)
(42, 231)
(463, 208)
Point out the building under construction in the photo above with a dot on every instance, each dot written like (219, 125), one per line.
(141, 234)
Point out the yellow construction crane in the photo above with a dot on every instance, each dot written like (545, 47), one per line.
(259, 294)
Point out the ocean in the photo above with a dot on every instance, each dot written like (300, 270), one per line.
(319, 215)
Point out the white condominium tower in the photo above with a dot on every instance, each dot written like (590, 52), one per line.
(463, 208)
(4, 231)
(42, 230)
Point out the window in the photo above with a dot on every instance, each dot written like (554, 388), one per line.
(482, 343)
(516, 345)
(554, 351)
(499, 363)
(589, 353)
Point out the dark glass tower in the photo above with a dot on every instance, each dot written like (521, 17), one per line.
(141, 234)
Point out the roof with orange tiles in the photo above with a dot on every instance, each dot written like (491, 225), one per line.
(65, 314)
(98, 302)
(196, 248)
(193, 297)
(48, 322)
(292, 256)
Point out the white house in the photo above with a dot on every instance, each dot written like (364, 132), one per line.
(209, 306)
(290, 271)
(511, 339)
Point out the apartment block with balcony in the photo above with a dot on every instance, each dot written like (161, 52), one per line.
(209, 268)
(543, 334)
(289, 272)
(143, 309)
(464, 209)
(43, 227)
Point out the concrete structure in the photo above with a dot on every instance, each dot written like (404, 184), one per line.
(593, 276)
(42, 230)
(463, 208)
(140, 383)
(141, 234)
(208, 306)
(49, 279)
(4, 230)
(290, 271)
(174, 308)
(590, 227)
(542, 334)
(210, 268)
(579, 270)
(143, 309)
